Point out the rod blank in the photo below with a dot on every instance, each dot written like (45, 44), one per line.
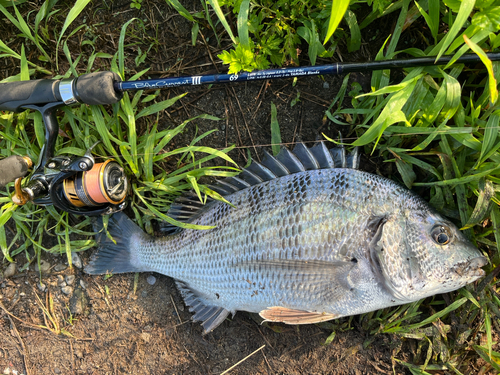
(337, 68)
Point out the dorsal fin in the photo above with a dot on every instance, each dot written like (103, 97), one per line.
(353, 159)
(292, 162)
(263, 172)
(305, 156)
(323, 156)
(183, 209)
(286, 162)
(274, 165)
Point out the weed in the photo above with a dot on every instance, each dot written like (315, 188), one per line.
(141, 156)
(50, 316)
(275, 130)
(136, 4)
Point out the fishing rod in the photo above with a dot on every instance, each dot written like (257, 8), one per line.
(306, 71)
(79, 185)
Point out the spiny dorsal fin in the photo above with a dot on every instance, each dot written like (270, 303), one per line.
(274, 165)
(323, 157)
(183, 209)
(263, 172)
(305, 156)
(292, 162)
(286, 162)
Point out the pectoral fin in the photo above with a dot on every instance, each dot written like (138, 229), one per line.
(291, 316)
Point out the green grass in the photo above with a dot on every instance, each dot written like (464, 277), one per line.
(116, 128)
(439, 125)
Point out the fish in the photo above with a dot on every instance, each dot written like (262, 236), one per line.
(307, 237)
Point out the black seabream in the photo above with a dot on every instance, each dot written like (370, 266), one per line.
(309, 238)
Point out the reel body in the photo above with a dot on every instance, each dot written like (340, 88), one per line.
(77, 185)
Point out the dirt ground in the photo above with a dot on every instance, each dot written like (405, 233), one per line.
(114, 329)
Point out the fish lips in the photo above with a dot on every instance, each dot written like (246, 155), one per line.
(471, 268)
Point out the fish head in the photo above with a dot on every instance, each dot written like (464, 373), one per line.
(420, 254)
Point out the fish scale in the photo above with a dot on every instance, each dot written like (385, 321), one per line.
(301, 248)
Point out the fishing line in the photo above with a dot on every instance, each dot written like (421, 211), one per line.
(288, 144)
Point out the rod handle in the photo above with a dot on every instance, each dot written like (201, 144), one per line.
(15, 95)
(93, 88)
(97, 88)
(12, 168)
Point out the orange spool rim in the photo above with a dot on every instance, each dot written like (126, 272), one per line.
(92, 181)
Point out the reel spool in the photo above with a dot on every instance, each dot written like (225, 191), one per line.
(105, 183)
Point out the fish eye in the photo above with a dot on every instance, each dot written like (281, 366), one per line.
(441, 235)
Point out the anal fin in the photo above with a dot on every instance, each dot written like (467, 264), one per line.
(210, 316)
(292, 316)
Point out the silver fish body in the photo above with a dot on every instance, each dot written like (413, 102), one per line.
(305, 247)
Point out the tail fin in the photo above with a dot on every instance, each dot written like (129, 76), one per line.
(119, 256)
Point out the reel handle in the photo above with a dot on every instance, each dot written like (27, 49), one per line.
(12, 168)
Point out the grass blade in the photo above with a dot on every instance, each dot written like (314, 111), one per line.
(148, 155)
(9, 3)
(168, 219)
(492, 82)
(181, 10)
(390, 114)
(313, 44)
(102, 129)
(354, 42)
(73, 13)
(487, 327)
(490, 138)
(495, 218)
(218, 11)
(398, 30)
(6, 212)
(483, 352)
(157, 107)
(463, 14)
(339, 8)
(275, 131)
(243, 23)
(132, 133)
(455, 305)
(486, 192)
(121, 48)
(406, 171)
(207, 150)
(25, 74)
(460, 180)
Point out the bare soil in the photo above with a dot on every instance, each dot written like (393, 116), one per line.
(114, 329)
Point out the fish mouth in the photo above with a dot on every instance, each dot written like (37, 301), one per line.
(471, 267)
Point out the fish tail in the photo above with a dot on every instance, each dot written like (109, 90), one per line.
(119, 254)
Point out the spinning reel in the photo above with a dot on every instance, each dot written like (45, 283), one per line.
(76, 185)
